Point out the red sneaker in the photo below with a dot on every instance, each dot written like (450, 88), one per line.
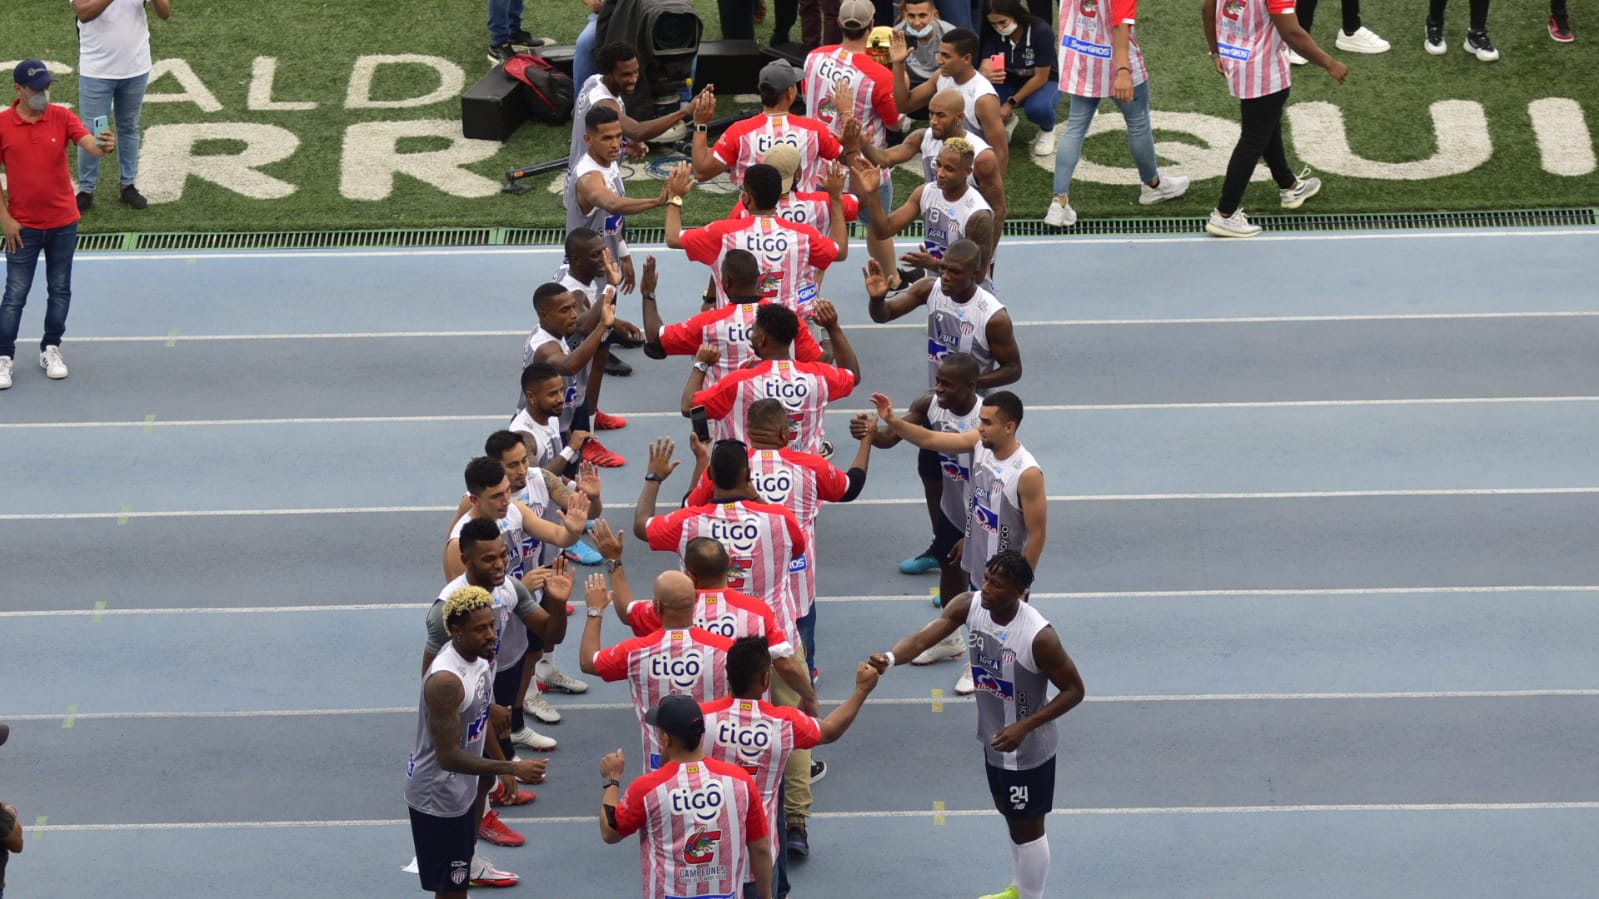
(498, 796)
(595, 451)
(495, 831)
(605, 421)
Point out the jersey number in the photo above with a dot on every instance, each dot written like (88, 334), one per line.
(1018, 798)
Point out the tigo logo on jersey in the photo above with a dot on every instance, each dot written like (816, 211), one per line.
(764, 142)
(722, 626)
(774, 485)
(773, 246)
(683, 671)
(741, 536)
(791, 393)
(700, 848)
(704, 803)
(750, 740)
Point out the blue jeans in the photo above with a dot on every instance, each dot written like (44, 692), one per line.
(961, 13)
(58, 245)
(505, 16)
(807, 633)
(1140, 140)
(583, 64)
(1039, 107)
(102, 96)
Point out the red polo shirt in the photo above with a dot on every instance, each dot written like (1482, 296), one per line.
(34, 156)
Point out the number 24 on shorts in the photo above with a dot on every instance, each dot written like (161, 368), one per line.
(1018, 798)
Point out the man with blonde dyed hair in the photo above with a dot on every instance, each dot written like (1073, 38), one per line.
(951, 210)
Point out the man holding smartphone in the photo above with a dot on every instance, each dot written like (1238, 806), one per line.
(37, 212)
(113, 69)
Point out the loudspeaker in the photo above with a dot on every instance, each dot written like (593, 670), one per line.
(493, 108)
(733, 66)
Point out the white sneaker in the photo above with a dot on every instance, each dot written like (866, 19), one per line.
(528, 738)
(484, 874)
(964, 685)
(55, 368)
(1295, 197)
(1294, 58)
(951, 647)
(1364, 40)
(1235, 225)
(673, 134)
(550, 678)
(1170, 188)
(1044, 143)
(1478, 45)
(539, 707)
(5, 372)
(1060, 215)
(1011, 123)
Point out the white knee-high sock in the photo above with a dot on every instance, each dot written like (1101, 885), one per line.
(1032, 867)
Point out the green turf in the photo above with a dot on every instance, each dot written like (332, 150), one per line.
(1385, 107)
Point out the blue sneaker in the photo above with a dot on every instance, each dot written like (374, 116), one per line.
(918, 565)
(583, 554)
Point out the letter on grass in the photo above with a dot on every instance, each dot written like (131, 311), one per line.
(1205, 158)
(194, 90)
(262, 74)
(238, 171)
(372, 158)
(1564, 145)
(451, 81)
(1459, 127)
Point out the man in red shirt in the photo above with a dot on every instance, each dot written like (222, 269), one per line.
(746, 141)
(39, 211)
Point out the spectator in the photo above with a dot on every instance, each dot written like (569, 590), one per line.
(1477, 42)
(819, 23)
(737, 19)
(923, 31)
(1559, 22)
(1353, 38)
(1025, 81)
(583, 64)
(37, 213)
(507, 37)
(965, 14)
(113, 68)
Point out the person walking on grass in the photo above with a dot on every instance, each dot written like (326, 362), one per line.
(113, 69)
(1247, 38)
(1477, 42)
(1560, 23)
(1353, 37)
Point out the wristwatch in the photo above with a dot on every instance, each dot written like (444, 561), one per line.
(596, 613)
(703, 368)
(610, 782)
(652, 476)
(675, 201)
(611, 565)
(701, 129)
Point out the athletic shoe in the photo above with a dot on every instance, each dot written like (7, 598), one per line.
(1434, 43)
(1295, 197)
(673, 134)
(582, 554)
(1293, 57)
(86, 201)
(484, 874)
(501, 53)
(498, 832)
(1010, 892)
(1044, 143)
(918, 565)
(1235, 225)
(964, 685)
(951, 647)
(1559, 30)
(1478, 45)
(1060, 215)
(551, 678)
(595, 451)
(539, 707)
(133, 199)
(5, 372)
(1170, 188)
(798, 842)
(619, 338)
(532, 741)
(1364, 40)
(605, 421)
(521, 38)
(615, 367)
(1011, 123)
(500, 796)
(55, 368)
(818, 770)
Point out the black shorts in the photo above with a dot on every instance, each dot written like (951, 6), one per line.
(928, 466)
(443, 850)
(945, 535)
(535, 643)
(1029, 793)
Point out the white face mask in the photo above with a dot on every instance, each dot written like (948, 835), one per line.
(1007, 30)
(38, 101)
(919, 33)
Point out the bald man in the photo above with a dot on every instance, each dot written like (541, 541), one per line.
(678, 658)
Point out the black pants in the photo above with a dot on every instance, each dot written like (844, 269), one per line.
(1262, 138)
(738, 19)
(1479, 12)
(1045, 9)
(506, 682)
(1306, 10)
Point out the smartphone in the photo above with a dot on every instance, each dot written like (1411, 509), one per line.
(99, 125)
(702, 427)
(996, 63)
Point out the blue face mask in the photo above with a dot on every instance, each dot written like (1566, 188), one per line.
(38, 101)
(919, 33)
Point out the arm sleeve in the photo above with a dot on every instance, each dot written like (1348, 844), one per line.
(823, 250)
(807, 731)
(827, 146)
(756, 823)
(630, 815)
(852, 207)
(438, 634)
(795, 533)
(610, 663)
(840, 381)
(700, 245)
(831, 484)
(726, 147)
(525, 603)
(718, 398)
(641, 616)
(883, 98)
(665, 531)
(857, 480)
(1279, 7)
(75, 128)
(806, 349)
(1123, 12)
(683, 338)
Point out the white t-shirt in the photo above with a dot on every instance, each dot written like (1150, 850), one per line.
(117, 43)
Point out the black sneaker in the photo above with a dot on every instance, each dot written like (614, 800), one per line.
(615, 366)
(521, 38)
(1478, 45)
(132, 197)
(85, 201)
(501, 53)
(818, 770)
(1434, 44)
(799, 842)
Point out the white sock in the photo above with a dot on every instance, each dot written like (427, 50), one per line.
(1032, 867)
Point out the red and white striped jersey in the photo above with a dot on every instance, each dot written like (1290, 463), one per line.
(728, 328)
(746, 142)
(761, 540)
(800, 483)
(725, 613)
(806, 208)
(1253, 54)
(873, 86)
(697, 819)
(804, 389)
(788, 254)
(688, 661)
(1086, 69)
(758, 737)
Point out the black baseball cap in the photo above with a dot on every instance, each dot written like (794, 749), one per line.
(678, 715)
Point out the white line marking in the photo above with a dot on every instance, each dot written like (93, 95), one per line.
(873, 326)
(839, 411)
(876, 501)
(872, 814)
(892, 597)
(880, 701)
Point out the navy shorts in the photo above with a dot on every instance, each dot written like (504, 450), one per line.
(945, 535)
(1028, 793)
(443, 850)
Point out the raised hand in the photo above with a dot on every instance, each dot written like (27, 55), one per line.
(613, 764)
(898, 49)
(862, 425)
(884, 405)
(867, 176)
(651, 277)
(876, 281)
(851, 137)
(705, 106)
(866, 676)
(558, 583)
(710, 354)
(588, 479)
(596, 593)
(661, 463)
(879, 660)
(607, 540)
(680, 180)
(843, 96)
(834, 178)
(577, 511)
(824, 313)
(530, 771)
(613, 272)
